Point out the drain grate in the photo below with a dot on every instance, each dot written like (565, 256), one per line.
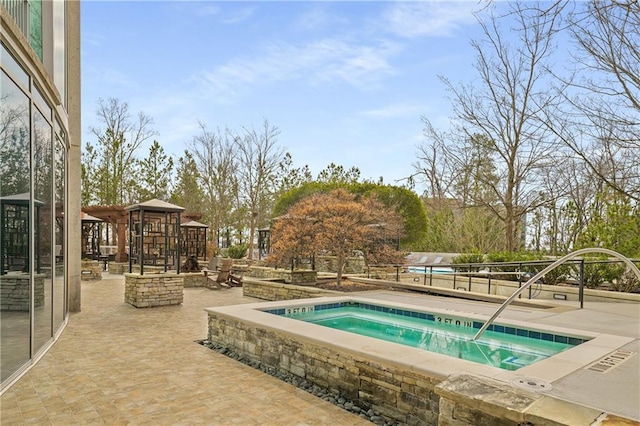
(610, 361)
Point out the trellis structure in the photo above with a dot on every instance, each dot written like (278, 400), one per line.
(14, 233)
(194, 240)
(154, 235)
(91, 236)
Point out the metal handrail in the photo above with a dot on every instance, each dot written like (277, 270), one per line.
(540, 274)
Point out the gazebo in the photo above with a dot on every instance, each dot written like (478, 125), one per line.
(15, 235)
(91, 236)
(264, 242)
(154, 235)
(194, 240)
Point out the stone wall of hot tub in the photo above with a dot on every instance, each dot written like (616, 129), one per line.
(397, 394)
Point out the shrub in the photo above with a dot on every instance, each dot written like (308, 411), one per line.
(598, 273)
(467, 258)
(237, 251)
(554, 277)
(627, 283)
(509, 257)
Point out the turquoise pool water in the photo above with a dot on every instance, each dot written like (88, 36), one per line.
(501, 346)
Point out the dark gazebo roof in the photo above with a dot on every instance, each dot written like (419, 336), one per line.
(156, 205)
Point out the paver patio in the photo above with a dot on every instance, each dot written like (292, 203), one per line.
(117, 365)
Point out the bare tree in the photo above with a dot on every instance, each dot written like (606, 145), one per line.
(603, 126)
(216, 161)
(114, 153)
(258, 161)
(499, 116)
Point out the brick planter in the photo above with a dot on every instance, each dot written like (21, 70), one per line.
(149, 290)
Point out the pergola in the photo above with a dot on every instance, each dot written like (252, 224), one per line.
(115, 218)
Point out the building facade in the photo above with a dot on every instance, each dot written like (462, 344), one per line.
(39, 178)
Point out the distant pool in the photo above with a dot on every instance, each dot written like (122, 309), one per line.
(429, 269)
(504, 347)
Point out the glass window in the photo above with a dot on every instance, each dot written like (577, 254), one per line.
(43, 235)
(42, 104)
(15, 278)
(59, 284)
(59, 52)
(35, 27)
(12, 67)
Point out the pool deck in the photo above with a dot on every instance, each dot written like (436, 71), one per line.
(616, 391)
(115, 364)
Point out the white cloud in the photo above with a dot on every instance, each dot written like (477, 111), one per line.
(396, 110)
(226, 15)
(429, 17)
(318, 17)
(322, 61)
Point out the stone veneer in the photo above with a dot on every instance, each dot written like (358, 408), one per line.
(90, 270)
(397, 393)
(267, 290)
(14, 291)
(149, 290)
(193, 279)
(121, 268)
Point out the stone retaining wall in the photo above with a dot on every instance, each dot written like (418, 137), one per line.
(118, 268)
(354, 265)
(121, 268)
(14, 291)
(145, 291)
(267, 290)
(90, 270)
(193, 279)
(398, 394)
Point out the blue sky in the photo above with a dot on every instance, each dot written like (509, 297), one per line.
(345, 82)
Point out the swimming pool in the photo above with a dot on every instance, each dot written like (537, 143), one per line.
(504, 347)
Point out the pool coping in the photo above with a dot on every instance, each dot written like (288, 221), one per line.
(419, 360)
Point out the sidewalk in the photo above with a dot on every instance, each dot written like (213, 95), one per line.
(118, 365)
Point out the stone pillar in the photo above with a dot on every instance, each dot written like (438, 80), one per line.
(149, 290)
(90, 270)
(73, 237)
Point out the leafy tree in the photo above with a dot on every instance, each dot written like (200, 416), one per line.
(187, 191)
(336, 174)
(155, 174)
(401, 200)
(289, 177)
(337, 222)
(614, 224)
